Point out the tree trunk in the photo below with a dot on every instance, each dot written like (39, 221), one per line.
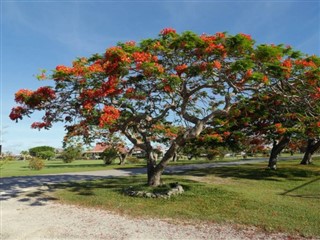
(122, 158)
(155, 170)
(307, 158)
(276, 149)
(175, 157)
(312, 146)
(154, 177)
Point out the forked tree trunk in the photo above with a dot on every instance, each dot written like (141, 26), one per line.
(276, 149)
(154, 170)
(312, 146)
(123, 156)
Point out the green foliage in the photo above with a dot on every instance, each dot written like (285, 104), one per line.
(36, 164)
(46, 155)
(215, 153)
(132, 159)
(35, 150)
(70, 153)
(109, 155)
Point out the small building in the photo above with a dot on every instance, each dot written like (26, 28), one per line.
(97, 151)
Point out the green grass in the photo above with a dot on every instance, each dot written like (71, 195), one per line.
(286, 200)
(21, 168)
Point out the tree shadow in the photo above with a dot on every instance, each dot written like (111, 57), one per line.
(255, 173)
(315, 195)
(18, 187)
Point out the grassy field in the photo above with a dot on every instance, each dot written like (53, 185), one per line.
(285, 200)
(20, 168)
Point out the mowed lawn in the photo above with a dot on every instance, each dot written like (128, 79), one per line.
(286, 200)
(21, 168)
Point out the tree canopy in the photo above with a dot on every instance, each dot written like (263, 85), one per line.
(170, 88)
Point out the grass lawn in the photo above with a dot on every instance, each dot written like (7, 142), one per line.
(20, 168)
(287, 199)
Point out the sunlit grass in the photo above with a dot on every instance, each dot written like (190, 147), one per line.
(21, 168)
(285, 200)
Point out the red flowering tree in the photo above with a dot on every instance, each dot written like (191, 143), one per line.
(133, 88)
(288, 108)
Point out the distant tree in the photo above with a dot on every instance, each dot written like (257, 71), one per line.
(24, 154)
(35, 151)
(71, 153)
(46, 154)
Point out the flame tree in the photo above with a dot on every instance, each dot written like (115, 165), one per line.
(184, 79)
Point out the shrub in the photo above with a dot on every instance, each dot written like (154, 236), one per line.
(36, 163)
(132, 159)
(109, 155)
(69, 154)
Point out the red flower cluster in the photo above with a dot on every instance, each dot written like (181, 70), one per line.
(207, 38)
(109, 116)
(96, 67)
(216, 64)
(220, 35)
(248, 73)
(34, 98)
(64, 69)
(214, 136)
(17, 112)
(288, 65)
(305, 63)
(279, 128)
(265, 79)
(131, 43)
(45, 93)
(181, 68)
(39, 125)
(167, 31)
(117, 54)
(22, 95)
(212, 47)
(141, 57)
(167, 88)
(246, 36)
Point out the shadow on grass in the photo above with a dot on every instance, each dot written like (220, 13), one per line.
(255, 173)
(292, 192)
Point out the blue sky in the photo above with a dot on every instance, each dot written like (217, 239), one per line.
(43, 34)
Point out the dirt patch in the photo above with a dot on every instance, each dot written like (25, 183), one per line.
(211, 180)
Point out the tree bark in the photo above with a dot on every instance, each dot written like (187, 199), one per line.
(154, 177)
(276, 149)
(122, 158)
(312, 146)
(155, 170)
(175, 157)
